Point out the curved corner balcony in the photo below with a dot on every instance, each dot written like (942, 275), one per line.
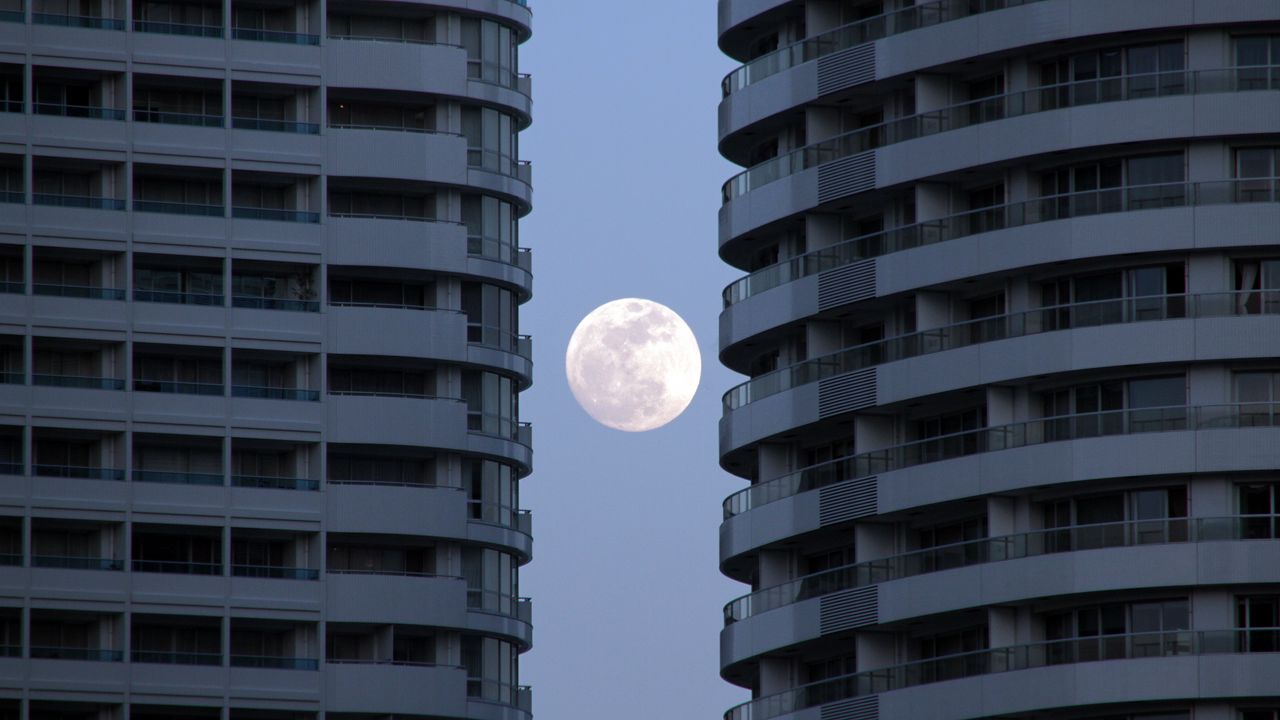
(999, 217)
(1070, 651)
(856, 33)
(1034, 543)
(1003, 437)
(1054, 318)
(1001, 107)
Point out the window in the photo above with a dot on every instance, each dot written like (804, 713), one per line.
(943, 646)
(262, 463)
(1136, 294)
(382, 205)
(350, 468)
(492, 404)
(382, 27)
(1134, 517)
(491, 577)
(1258, 617)
(1257, 170)
(157, 551)
(492, 230)
(157, 105)
(198, 645)
(954, 432)
(171, 373)
(382, 381)
(1257, 286)
(178, 191)
(491, 139)
(1118, 630)
(1257, 61)
(381, 116)
(378, 293)
(1150, 181)
(492, 668)
(1114, 74)
(946, 537)
(1260, 501)
(491, 51)
(391, 560)
(413, 649)
(150, 13)
(1115, 407)
(491, 315)
(492, 491)
(1258, 394)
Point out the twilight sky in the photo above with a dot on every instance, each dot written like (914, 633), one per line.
(626, 593)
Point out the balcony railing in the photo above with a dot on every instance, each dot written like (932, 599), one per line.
(1003, 437)
(77, 471)
(274, 662)
(177, 567)
(856, 33)
(275, 36)
(176, 658)
(989, 219)
(10, 559)
(178, 208)
(80, 111)
(77, 653)
(274, 483)
(1098, 648)
(180, 298)
(172, 28)
(79, 21)
(275, 393)
(75, 381)
(1035, 543)
(177, 478)
(990, 109)
(12, 16)
(13, 378)
(11, 468)
(1002, 327)
(277, 214)
(275, 571)
(15, 197)
(78, 201)
(76, 562)
(288, 126)
(272, 303)
(179, 388)
(78, 291)
(166, 117)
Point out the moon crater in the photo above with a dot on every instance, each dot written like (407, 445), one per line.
(633, 364)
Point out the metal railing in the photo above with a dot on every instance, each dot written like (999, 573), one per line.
(990, 109)
(379, 216)
(1000, 217)
(856, 33)
(494, 336)
(92, 292)
(76, 381)
(275, 393)
(177, 118)
(11, 559)
(390, 128)
(276, 214)
(1003, 437)
(1053, 318)
(288, 126)
(177, 567)
(76, 563)
(76, 653)
(275, 36)
(180, 388)
(181, 298)
(77, 471)
(274, 662)
(176, 658)
(13, 378)
(275, 571)
(1128, 646)
(1034, 543)
(274, 483)
(273, 303)
(79, 21)
(172, 28)
(11, 468)
(79, 111)
(178, 208)
(491, 247)
(78, 201)
(396, 483)
(178, 478)
(12, 16)
(17, 197)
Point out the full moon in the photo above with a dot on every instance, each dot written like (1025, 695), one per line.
(633, 364)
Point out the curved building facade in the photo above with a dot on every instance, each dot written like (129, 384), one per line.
(260, 360)
(1010, 315)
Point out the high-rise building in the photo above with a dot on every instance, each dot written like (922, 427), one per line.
(259, 359)
(1011, 320)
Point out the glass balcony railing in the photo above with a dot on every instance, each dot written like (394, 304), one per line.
(166, 117)
(1097, 648)
(278, 214)
(11, 559)
(79, 21)
(856, 33)
(178, 208)
(275, 36)
(274, 483)
(273, 303)
(80, 111)
(493, 247)
(275, 393)
(77, 653)
(173, 296)
(77, 471)
(13, 378)
(12, 16)
(177, 567)
(176, 658)
(172, 28)
(1005, 547)
(177, 387)
(76, 381)
(1002, 327)
(92, 292)
(1000, 217)
(271, 661)
(496, 337)
(78, 201)
(14, 197)
(275, 571)
(985, 110)
(11, 468)
(76, 562)
(1003, 437)
(177, 478)
(269, 125)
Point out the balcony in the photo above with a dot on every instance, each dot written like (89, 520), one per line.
(91, 292)
(180, 388)
(274, 483)
(275, 36)
(68, 562)
(178, 208)
(80, 111)
(279, 663)
(271, 125)
(172, 28)
(178, 478)
(75, 471)
(176, 658)
(278, 572)
(73, 381)
(77, 21)
(277, 214)
(77, 653)
(77, 201)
